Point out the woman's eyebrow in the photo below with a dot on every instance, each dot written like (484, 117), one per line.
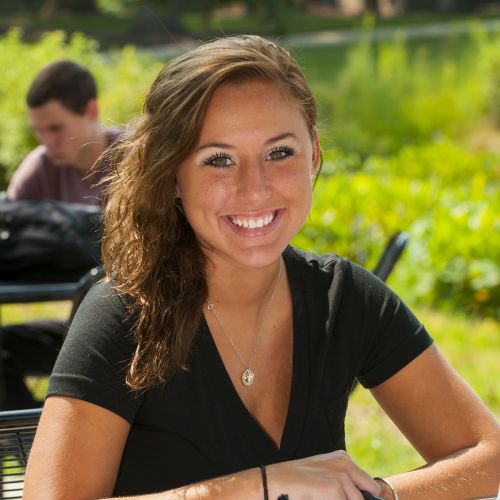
(286, 135)
(214, 145)
(223, 145)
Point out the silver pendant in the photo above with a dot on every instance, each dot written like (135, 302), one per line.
(248, 377)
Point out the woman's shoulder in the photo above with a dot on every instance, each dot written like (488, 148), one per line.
(103, 309)
(335, 275)
(329, 263)
(309, 260)
(96, 354)
(103, 294)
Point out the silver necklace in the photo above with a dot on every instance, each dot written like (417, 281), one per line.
(248, 375)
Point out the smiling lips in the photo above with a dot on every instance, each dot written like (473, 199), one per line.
(253, 222)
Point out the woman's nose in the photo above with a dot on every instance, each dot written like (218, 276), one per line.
(254, 181)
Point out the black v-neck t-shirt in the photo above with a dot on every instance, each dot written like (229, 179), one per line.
(347, 324)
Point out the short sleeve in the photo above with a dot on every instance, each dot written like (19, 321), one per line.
(391, 334)
(95, 356)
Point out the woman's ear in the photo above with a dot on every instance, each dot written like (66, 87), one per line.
(177, 192)
(316, 152)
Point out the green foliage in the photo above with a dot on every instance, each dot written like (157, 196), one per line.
(122, 78)
(390, 94)
(385, 111)
(489, 59)
(116, 7)
(447, 198)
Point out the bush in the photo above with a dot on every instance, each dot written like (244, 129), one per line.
(447, 198)
(390, 107)
(388, 95)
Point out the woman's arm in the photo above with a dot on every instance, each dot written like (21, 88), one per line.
(78, 448)
(76, 452)
(448, 425)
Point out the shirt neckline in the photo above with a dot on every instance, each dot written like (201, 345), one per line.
(296, 412)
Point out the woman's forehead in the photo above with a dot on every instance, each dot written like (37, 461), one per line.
(251, 101)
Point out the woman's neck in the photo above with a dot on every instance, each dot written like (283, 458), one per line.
(235, 287)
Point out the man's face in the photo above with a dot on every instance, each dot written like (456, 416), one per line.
(62, 131)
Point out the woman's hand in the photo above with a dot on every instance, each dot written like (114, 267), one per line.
(332, 476)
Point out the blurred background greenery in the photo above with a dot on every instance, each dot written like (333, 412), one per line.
(409, 99)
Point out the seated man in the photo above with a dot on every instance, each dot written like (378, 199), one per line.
(64, 114)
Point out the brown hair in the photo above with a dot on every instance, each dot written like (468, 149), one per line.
(66, 82)
(149, 248)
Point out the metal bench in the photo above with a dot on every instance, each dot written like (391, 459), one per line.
(18, 293)
(42, 292)
(17, 430)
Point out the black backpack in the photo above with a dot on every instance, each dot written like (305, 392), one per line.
(48, 241)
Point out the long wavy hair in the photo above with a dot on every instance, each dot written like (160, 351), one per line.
(150, 251)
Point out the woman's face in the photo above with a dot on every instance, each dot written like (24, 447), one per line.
(246, 188)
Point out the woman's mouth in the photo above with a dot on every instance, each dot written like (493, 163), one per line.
(246, 222)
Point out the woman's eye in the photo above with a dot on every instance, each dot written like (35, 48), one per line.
(280, 153)
(218, 160)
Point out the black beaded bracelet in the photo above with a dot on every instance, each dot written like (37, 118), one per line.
(264, 481)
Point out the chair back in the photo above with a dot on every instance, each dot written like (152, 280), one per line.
(391, 254)
(83, 286)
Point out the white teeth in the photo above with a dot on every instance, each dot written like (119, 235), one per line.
(253, 223)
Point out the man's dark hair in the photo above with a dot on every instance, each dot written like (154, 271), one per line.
(64, 81)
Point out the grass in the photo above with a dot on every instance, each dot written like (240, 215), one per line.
(19, 313)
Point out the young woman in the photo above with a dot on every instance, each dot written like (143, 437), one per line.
(216, 360)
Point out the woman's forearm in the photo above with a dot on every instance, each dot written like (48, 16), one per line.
(466, 474)
(244, 484)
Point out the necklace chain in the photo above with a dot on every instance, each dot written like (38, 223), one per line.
(248, 375)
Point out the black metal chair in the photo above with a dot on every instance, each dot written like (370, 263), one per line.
(391, 254)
